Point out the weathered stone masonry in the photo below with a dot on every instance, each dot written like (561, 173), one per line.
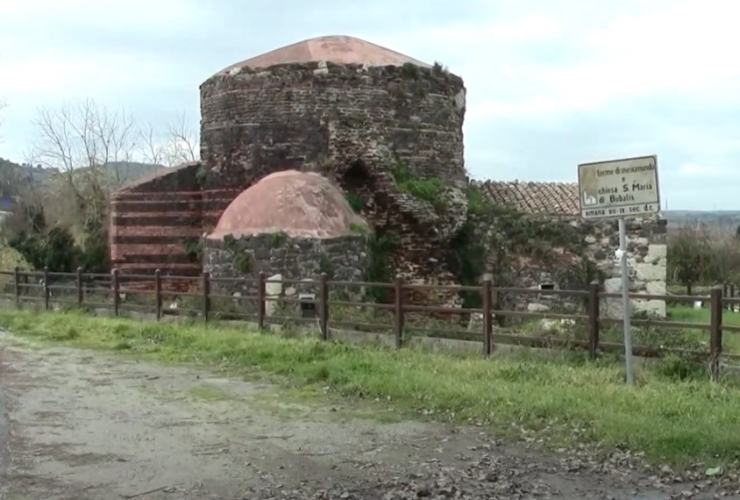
(341, 258)
(326, 117)
(566, 262)
(353, 121)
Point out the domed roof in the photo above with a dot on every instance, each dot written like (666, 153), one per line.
(301, 204)
(335, 49)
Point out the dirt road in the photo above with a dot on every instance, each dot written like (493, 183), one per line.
(81, 424)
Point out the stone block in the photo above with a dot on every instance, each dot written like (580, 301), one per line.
(650, 272)
(273, 288)
(537, 307)
(656, 253)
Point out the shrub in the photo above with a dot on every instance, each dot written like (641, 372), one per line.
(278, 239)
(326, 266)
(243, 262)
(424, 188)
(380, 267)
(356, 201)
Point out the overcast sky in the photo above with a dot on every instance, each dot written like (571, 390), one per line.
(550, 83)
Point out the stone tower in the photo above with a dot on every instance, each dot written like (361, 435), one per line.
(325, 104)
(374, 122)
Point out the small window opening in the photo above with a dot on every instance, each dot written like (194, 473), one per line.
(308, 304)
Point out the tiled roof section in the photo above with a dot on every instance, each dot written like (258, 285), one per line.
(544, 198)
(335, 49)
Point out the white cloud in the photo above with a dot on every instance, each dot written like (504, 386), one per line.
(549, 83)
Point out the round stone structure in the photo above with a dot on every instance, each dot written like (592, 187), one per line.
(326, 104)
(293, 223)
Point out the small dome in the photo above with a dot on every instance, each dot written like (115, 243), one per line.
(335, 49)
(301, 204)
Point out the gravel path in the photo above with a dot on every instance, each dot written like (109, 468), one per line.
(84, 424)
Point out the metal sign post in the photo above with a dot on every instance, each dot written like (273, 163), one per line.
(626, 312)
(620, 189)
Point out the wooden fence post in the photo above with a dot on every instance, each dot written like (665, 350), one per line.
(206, 295)
(324, 304)
(715, 332)
(593, 319)
(398, 311)
(261, 300)
(46, 288)
(158, 293)
(80, 293)
(487, 318)
(115, 288)
(17, 287)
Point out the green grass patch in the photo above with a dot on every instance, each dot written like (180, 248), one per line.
(424, 188)
(730, 340)
(673, 415)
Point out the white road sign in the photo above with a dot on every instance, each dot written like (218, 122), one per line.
(619, 188)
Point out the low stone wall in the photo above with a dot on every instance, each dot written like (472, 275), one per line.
(343, 258)
(647, 263)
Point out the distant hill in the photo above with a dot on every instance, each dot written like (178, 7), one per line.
(723, 222)
(14, 177)
(130, 170)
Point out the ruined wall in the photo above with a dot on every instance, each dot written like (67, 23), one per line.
(646, 260)
(157, 221)
(324, 117)
(340, 120)
(593, 257)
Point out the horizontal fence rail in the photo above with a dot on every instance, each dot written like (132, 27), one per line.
(320, 301)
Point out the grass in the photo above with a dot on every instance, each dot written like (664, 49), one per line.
(674, 416)
(730, 340)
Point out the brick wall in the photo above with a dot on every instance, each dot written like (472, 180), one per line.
(153, 221)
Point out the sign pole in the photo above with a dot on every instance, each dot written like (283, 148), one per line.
(617, 189)
(626, 302)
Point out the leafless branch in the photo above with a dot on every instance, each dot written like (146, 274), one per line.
(183, 142)
(152, 150)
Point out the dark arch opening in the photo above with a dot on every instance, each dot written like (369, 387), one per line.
(357, 177)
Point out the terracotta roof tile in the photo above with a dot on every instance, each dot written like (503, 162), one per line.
(544, 198)
(335, 49)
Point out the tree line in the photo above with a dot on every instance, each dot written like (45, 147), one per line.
(695, 257)
(86, 152)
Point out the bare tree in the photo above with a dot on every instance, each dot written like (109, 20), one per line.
(183, 142)
(178, 145)
(83, 142)
(153, 151)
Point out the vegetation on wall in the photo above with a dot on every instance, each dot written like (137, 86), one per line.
(356, 201)
(278, 239)
(424, 188)
(501, 234)
(243, 262)
(380, 266)
(326, 266)
(467, 259)
(194, 249)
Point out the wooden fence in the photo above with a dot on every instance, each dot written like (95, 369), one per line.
(113, 291)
